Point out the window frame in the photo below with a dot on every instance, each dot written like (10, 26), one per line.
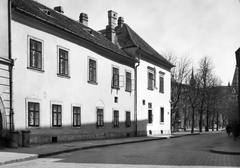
(115, 118)
(51, 114)
(101, 125)
(115, 75)
(162, 115)
(161, 82)
(33, 100)
(150, 80)
(60, 74)
(150, 117)
(78, 115)
(128, 119)
(89, 71)
(29, 39)
(128, 82)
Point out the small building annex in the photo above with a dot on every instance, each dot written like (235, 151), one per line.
(64, 81)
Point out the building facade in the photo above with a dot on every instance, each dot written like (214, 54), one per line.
(70, 82)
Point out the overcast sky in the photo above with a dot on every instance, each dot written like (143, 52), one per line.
(194, 27)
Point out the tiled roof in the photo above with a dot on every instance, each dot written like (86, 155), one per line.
(61, 21)
(129, 38)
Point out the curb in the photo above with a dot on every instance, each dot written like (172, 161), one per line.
(19, 160)
(97, 146)
(89, 147)
(224, 152)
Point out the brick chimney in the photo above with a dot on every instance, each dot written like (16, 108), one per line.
(120, 22)
(110, 28)
(59, 9)
(83, 18)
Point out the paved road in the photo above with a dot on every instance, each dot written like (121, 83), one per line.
(188, 151)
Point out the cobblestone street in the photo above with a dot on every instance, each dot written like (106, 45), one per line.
(187, 151)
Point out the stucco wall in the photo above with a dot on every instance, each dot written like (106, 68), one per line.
(157, 99)
(47, 87)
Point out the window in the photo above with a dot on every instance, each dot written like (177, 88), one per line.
(161, 82)
(128, 119)
(100, 122)
(161, 114)
(56, 115)
(92, 71)
(150, 80)
(150, 115)
(35, 54)
(63, 62)
(128, 82)
(115, 118)
(76, 116)
(33, 114)
(115, 78)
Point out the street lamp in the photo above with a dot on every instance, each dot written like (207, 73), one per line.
(238, 64)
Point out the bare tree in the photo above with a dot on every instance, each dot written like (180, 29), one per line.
(179, 80)
(204, 77)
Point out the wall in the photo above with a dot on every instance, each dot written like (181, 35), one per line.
(47, 87)
(157, 99)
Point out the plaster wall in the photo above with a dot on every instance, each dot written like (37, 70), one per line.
(157, 99)
(47, 87)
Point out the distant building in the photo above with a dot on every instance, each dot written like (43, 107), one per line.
(70, 82)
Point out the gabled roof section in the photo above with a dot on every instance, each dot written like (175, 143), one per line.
(54, 18)
(129, 38)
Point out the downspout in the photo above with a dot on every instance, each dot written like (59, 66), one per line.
(135, 93)
(10, 65)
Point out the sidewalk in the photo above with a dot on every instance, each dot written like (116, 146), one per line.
(11, 155)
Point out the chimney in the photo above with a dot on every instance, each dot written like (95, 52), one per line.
(110, 29)
(120, 22)
(59, 9)
(83, 18)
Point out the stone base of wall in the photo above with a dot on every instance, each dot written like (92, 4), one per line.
(43, 139)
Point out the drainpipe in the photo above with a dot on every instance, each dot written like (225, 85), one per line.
(135, 89)
(11, 64)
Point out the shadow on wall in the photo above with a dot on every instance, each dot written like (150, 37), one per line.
(43, 135)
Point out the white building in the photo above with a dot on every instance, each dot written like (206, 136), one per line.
(70, 82)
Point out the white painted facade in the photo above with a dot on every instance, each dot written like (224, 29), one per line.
(155, 98)
(46, 87)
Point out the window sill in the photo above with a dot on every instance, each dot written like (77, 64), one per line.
(150, 89)
(36, 69)
(93, 82)
(161, 92)
(63, 76)
(115, 87)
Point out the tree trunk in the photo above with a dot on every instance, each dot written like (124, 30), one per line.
(192, 131)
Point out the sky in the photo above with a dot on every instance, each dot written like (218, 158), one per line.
(196, 28)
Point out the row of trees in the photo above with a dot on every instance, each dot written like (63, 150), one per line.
(200, 90)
